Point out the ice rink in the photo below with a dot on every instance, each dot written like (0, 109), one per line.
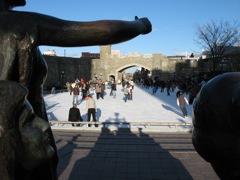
(144, 107)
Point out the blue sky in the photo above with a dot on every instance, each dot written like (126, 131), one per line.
(173, 21)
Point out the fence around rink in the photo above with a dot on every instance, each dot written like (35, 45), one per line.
(104, 124)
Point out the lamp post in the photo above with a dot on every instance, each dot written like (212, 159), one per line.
(62, 75)
(174, 76)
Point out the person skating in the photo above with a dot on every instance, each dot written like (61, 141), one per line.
(182, 102)
(91, 109)
(74, 115)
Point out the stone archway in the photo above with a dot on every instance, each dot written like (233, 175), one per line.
(119, 70)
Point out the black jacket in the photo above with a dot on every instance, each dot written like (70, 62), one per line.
(74, 115)
(114, 87)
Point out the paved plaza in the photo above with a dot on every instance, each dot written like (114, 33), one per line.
(126, 155)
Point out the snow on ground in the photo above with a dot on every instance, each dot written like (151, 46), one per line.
(144, 107)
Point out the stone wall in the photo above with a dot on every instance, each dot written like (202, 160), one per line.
(112, 65)
(72, 68)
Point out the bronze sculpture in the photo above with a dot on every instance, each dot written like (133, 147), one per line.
(24, 137)
(21, 61)
(216, 120)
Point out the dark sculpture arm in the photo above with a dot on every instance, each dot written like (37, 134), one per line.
(57, 32)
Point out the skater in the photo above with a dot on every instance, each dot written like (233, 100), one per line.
(182, 102)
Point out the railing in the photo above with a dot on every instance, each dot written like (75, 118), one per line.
(176, 124)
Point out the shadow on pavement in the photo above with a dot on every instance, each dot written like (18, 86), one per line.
(120, 154)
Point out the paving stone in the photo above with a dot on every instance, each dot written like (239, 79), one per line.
(127, 155)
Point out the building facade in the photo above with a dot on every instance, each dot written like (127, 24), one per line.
(110, 65)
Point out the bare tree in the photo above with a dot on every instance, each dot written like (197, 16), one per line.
(217, 38)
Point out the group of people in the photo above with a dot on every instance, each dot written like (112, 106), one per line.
(190, 86)
(75, 114)
(77, 87)
(99, 86)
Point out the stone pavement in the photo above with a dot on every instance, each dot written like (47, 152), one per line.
(123, 155)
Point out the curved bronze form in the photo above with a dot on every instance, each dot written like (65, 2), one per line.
(24, 137)
(216, 120)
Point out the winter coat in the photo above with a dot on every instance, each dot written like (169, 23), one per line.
(74, 115)
(75, 91)
(126, 90)
(114, 87)
(90, 103)
(182, 100)
(98, 89)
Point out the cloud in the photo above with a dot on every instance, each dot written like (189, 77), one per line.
(155, 29)
(180, 32)
(176, 49)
